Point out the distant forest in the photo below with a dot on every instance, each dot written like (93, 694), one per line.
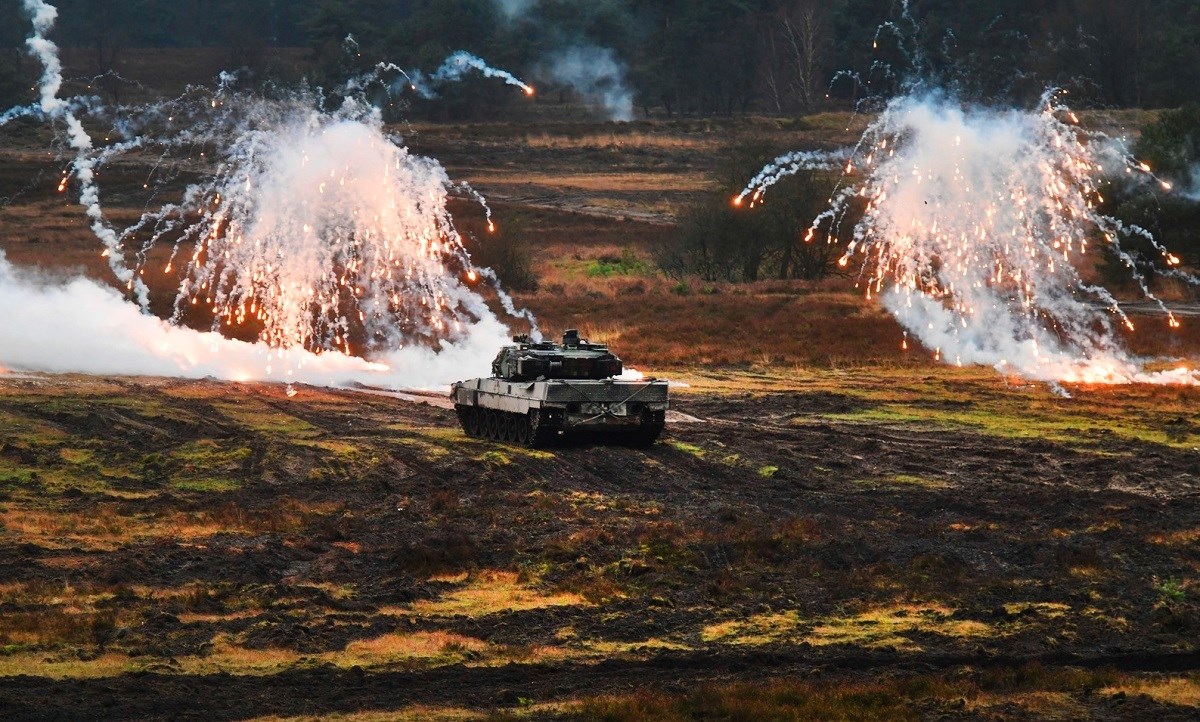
(697, 57)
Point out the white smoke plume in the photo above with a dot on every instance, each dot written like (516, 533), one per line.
(975, 225)
(1192, 192)
(597, 75)
(80, 326)
(515, 8)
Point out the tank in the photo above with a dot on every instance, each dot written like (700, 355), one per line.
(542, 391)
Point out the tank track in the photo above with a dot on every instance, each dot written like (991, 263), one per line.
(530, 430)
(535, 429)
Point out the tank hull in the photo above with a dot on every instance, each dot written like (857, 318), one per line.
(535, 413)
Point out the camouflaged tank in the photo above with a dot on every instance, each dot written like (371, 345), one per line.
(541, 391)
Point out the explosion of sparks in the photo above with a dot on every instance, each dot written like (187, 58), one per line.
(974, 223)
(318, 229)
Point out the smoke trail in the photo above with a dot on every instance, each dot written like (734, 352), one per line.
(454, 68)
(787, 165)
(83, 168)
(976, 220)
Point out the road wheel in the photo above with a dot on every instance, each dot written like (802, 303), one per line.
(491, 421)
(474, 423)
(524, 431)
(510, 428)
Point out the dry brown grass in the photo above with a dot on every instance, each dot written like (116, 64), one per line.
(414, 646)
(416, 713)
(729, 326)
(754, 630)
(487, 592)
(1030, 691)
(891, 626)
(638, 140)
(105, 528)
(1183, 538)
(1179, 691)
(597, 182)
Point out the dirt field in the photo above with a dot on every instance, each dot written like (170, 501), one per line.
(869, 544)
(832, 527)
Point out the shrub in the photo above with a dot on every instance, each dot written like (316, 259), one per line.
(507, 252)
(1171, 146)
(1170, 591)
(627, 264)
(722, 242)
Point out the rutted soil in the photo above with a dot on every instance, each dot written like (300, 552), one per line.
(773, 538)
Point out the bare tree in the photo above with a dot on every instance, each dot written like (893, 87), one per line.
(773, 73)
(803, 31)
(793, 74)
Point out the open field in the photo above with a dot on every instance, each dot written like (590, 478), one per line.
(845, 530)
(856, 544)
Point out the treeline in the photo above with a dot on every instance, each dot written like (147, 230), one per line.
(694, 56)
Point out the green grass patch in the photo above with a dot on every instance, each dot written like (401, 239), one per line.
(26, 432)
(768, 471)
(627, 264)
(207, 485)
(1031, 422)
(430, 450)
(203, 465)
(921, 482)
(263, 419)
(495, 458)
(687, 448)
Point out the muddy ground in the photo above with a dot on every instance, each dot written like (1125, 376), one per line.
(189, 549)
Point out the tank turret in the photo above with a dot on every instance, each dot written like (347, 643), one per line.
(574, 358)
